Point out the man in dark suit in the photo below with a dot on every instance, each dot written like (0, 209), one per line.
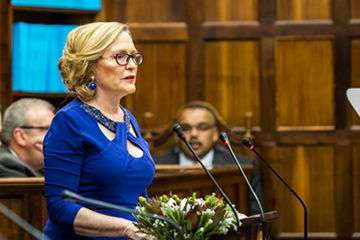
(198, 122)
(24, 125)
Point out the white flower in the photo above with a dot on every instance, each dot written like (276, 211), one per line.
(183, 204)
(171, 202)
(177, 210)
(200, 201)
(157, 223)
(210, 212)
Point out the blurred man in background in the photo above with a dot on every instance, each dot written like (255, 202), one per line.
(24, 127)
(199, 124)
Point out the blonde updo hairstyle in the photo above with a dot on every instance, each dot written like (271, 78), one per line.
(84, 46)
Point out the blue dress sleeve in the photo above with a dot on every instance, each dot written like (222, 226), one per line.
(144, 194)
(63, 156)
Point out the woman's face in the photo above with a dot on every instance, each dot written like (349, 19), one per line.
(112, 78)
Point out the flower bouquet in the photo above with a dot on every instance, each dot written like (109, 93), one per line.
(198, 218)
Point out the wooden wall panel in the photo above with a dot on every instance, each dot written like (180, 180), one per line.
(292, 75)
(5, 50)
(232, 79)
(355, 74)
(305, 83)
(13, 230)
(155, 11)
(309, 170)
(160, 83)
(231, 10)
(355, 8)
(356, 188)
(343, 179)
(355, 58)
(303, 9)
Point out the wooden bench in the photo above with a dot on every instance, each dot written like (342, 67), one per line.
(25, 196)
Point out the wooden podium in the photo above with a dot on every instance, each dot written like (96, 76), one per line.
(250, 228)
(25, 196)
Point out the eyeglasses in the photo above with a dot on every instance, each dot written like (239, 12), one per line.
(202, 127)
(32, 127)
(123, 59)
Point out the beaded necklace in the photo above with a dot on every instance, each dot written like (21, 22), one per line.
(103, 120)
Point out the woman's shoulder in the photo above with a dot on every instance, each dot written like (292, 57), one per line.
(71, 106)
(71, 110)
(68, 120)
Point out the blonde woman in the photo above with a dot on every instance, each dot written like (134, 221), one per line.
(94, 146)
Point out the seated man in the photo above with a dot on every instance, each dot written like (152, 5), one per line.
(24, 125)
(198, 122)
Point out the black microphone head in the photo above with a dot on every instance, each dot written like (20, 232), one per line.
(69, 196)
(65, 194)
(247, 142)
(224, 138)
(177, 129)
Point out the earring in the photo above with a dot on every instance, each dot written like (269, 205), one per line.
(92, 85)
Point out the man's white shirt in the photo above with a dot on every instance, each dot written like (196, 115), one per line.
(207, 160)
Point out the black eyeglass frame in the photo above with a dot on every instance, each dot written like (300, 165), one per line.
(132, 56)
(200, 127)
(33, 127)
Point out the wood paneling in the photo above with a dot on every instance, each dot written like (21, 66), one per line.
(289, 62)
(161, 32)
(25, 196)
(343, 192)
(304, 67)
(155, 11)
(195, 51)
(356, 188)
(303, 9)
(309, 170)
(161, 79)
(355, 8)
(355, 58)
(5, 50)
(232, 79)
(355, 74)
(231, 10)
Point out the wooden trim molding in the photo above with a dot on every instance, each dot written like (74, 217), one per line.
(169, 31)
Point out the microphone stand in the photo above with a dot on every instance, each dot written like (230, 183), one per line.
(22, 223)
(73, 197)
(246, 142)
(224, 138)
(177, 129)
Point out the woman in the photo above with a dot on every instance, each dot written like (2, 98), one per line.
(94, 146)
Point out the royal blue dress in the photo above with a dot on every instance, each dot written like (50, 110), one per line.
(80, 158)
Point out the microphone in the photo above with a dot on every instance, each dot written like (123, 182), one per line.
(22, 223)
(247, 143)
(224, 138)
(177, 129)
(70, 196)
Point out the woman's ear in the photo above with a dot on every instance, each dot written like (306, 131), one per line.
(19, 136)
